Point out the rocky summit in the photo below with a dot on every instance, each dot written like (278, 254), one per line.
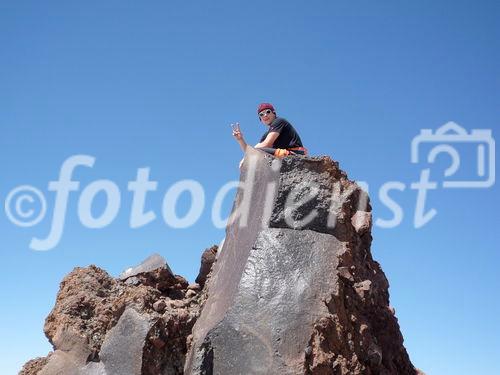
(292, 289)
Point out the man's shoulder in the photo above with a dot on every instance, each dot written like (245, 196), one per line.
(280, 120)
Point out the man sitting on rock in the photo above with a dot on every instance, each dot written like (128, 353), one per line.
(280, 140)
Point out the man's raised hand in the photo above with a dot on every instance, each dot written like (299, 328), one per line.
(237, 131)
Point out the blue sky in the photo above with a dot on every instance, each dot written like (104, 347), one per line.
(156, 85)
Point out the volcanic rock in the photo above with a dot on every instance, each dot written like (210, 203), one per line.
(295, 289)
(292, 289)
(102, 325)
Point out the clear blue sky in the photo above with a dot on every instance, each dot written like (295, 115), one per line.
(156, 85)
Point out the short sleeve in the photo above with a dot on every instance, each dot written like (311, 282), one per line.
(277, 125)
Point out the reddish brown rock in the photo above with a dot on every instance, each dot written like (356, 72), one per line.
(194, 286)
(102, 325)
(33, 366)
(159, 306)
(207, 259)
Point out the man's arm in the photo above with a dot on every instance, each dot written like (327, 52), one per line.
(238, 135)
(242, 144)
(269, 141)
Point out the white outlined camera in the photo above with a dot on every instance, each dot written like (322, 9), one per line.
(451, 133)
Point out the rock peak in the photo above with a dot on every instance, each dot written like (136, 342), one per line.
(293, 290)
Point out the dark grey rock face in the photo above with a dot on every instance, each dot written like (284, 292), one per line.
(267, 326)
(121, 352)
(294, 289)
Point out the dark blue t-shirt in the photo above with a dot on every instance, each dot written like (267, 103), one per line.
(288, 137)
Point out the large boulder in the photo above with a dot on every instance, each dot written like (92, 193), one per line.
(295, 289)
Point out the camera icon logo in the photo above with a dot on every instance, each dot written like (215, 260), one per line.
(446, 139)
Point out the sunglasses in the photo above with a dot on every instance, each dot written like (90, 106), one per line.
(266, 112)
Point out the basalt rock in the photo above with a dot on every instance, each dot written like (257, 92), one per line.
(292, 289)
(295, 289)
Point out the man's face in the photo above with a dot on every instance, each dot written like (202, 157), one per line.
(267, 116)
